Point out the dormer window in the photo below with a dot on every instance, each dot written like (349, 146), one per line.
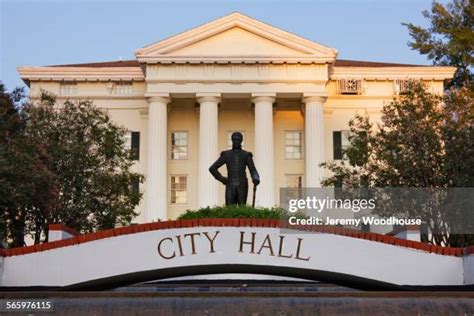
(68, 88)
(350, 86)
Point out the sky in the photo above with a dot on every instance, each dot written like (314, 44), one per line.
(46, 32)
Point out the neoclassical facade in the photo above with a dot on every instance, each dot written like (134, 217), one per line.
(182, 97)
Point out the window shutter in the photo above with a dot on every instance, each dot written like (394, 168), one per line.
(337, 144)
(136, 145)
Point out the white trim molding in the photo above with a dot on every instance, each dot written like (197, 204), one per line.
(81, 73)
(163, 51)
(390, 73)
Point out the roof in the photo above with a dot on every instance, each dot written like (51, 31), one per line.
(360, 63)
(114, 63)
(338, 63)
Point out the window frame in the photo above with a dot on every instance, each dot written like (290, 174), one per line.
(301, 146)
(344, 135)
(171, 147)
(287, 175)
(298, 190)
(171, 176)
(129, 143)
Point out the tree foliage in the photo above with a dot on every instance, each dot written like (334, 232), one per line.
(24, 179)
(449, 40)
(63, 163)
(423, 141)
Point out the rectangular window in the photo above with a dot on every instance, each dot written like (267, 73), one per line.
(294, 145)
(229, 139)
(179, 145)
(350, 86)
(340, 144)
(68, 88)
(127, 140)
(123, 88)
(132, 143)
(179, 191)
(345, 143)
(294, 183)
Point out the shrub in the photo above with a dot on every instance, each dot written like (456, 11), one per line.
(235, 211)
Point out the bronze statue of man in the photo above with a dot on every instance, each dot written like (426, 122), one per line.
(236, 161)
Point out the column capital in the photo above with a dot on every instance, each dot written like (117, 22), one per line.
(208, 97)
(161, 97)
(307, 98)
(263, 97)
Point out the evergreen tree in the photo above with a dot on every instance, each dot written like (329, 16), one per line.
(449, 40)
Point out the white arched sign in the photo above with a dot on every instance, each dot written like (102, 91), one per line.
(154, 251)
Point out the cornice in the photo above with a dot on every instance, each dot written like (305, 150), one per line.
(93, 97)
(374, 73)
(235, 59)
(215, 81)
(81, 73)
(158, 52)
(360, 97)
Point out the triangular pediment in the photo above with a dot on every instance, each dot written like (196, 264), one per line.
(237, 42)
(236, 38)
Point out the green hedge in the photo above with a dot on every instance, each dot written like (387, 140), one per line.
(235, 211)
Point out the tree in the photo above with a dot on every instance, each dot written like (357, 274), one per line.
(458, 137)
(11, 126)
(449, 40)
(23, 176)
(424, 141)
(71, 167)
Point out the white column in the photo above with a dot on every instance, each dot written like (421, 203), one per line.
(157, 159)
(208, 151)
(264, 148)
(314, 140)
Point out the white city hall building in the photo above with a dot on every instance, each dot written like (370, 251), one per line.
(182, 97)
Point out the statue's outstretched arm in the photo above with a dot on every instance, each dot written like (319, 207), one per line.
(214, 169)
(253, 170)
